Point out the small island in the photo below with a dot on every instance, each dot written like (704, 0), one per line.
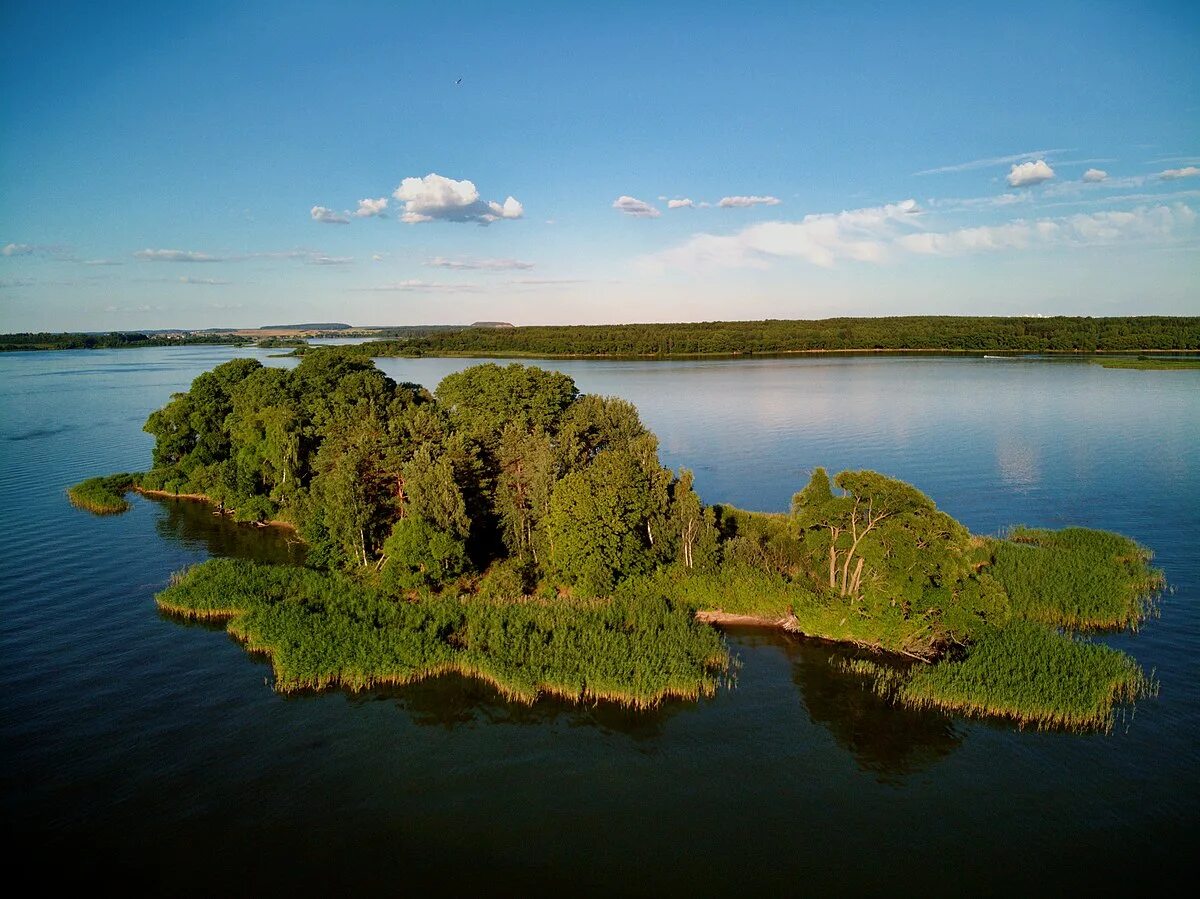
(509, 528)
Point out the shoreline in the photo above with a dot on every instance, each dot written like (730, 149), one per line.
(203, 498)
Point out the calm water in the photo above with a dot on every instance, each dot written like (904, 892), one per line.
(136, 745)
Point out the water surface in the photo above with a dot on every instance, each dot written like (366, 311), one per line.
(138, 745)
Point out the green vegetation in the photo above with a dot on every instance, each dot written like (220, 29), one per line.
(1076, 578)
(507, 504)
(326, 629)
(114, 340)
(104, 495)
(1027, 673)
(278, 343)
(1059, 334)
(1146, 363)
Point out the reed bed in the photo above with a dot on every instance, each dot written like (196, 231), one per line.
(322, 630)
(1026, 673)
(103, 495)
(1077, 578)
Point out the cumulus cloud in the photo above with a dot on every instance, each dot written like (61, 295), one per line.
(17, 249)
(1029, 173)
(635, 207)
(368, 208)
(1175, 174)
(680, 204)
(862, 235)
(491, 265)
(175, 256)
(1095, 176)
(328, 216)
(740, 202)
(435, 198)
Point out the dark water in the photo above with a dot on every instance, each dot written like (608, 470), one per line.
(138, 746)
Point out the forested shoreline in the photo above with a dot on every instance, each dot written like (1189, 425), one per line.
(507, 526)
(956, 334)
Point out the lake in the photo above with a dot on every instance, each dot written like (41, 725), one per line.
(138, 747)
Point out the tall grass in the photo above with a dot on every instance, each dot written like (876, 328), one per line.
(324, 630)
(1076, 578)
(103, 495)
(1027, 673)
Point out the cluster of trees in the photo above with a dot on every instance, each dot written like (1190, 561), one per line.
(505, 482)
(502, 464)
(114, 340)
(952, 333)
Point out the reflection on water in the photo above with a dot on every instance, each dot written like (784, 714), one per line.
(885, 739)
(194, 525)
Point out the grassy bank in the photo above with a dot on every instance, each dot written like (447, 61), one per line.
(103, 495)
(324, 630)
(1024, 673)
(1146, 363)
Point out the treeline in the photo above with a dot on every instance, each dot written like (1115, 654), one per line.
(948, 333)
(548, 549)
(113, 340)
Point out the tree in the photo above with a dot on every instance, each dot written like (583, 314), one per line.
(417, 554)
(597, 524)
(483, 399)
(869, 500)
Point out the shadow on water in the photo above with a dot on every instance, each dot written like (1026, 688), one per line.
(452, 701)
(887, 740)
(194, 525)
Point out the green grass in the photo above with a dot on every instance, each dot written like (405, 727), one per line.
(1076, 578)
(103, 495)
(1026, 673)
(322, 630)
(1152, 363)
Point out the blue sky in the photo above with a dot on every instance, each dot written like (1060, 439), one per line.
(203, 164)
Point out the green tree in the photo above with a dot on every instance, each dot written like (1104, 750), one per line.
(417, 554)
(597, 524)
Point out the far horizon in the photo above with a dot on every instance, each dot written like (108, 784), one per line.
(225, 166)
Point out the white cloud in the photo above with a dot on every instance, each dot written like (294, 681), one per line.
(1081, 229)
(740, 202)
(368, 208)
(414, 285)
(209, 282)
(17, 249)
(1175, 174)
(988, 163)
(327, 216)
(491, 265)
(1028, 173)
(102, 262)
(175, 256)
(322, 259)
(880, 234)
(862, 235)
(679, 204)
(435, 198)
(377, 257)
(1095, 176)
(635, 207)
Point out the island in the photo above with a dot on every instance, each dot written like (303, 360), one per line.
(509, 528)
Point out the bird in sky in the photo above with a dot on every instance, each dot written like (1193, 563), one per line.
(459, 81)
